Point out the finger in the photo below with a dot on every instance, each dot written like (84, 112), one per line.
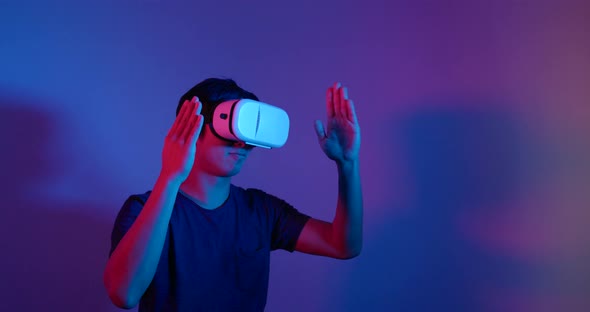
(343, 104)
(196, 129)
(337, 97)
(182, 117)
(174, 127)
(351, 112)
(186, 131)
(319, 130)
(186, 119)
(348, 112)
(344, 93)
(330, 102)
(199, 104)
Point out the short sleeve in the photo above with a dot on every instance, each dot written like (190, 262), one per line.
(125, 218)
(286, 222)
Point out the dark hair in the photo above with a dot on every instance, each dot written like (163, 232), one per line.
(213, 91)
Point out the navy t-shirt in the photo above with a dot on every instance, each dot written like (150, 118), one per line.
(216, 260)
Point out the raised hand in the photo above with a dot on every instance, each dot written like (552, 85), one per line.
(178, 155)
(341, 139)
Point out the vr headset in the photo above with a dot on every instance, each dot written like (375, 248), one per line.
(252, 122)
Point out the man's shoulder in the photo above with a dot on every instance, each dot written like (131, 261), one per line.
(135, 202)
(140, 197)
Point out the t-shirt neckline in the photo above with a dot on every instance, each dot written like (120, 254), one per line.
(214, 210)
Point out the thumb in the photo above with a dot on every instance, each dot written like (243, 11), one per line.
(319, 130)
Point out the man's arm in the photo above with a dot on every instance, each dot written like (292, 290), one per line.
(340, 141)
(132, 265)
(343, 238)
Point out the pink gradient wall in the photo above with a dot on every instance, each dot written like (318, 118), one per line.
(475, 155)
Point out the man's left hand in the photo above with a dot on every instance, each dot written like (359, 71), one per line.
(341, 139)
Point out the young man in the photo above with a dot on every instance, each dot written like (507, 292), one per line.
(196, 242)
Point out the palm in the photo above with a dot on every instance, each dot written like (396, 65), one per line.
(341, 139)
(178, 155)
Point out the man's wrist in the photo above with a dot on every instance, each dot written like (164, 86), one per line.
(169, 181)
(347, 165)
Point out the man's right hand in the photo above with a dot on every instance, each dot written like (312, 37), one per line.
(178, 155)
(132, 265)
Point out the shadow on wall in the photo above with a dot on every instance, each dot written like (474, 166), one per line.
(53, 253)
(460, 163)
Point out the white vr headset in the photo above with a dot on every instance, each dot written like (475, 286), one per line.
(252, 122)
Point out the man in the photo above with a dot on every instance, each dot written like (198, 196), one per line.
(196, 242)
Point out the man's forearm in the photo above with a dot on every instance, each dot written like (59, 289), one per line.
(132, 265)
(347, 227)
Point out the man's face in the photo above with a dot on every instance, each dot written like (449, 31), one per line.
(219, 157)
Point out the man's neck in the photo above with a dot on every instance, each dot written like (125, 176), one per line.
(205, 190)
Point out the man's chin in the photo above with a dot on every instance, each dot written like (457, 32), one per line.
(231, 173)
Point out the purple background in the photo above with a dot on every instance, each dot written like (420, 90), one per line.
(475, 154)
